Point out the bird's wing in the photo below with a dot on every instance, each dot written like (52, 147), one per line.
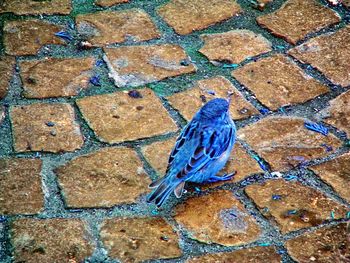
(209, 145)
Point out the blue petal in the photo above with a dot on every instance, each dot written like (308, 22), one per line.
(64, 35)
(316, 128)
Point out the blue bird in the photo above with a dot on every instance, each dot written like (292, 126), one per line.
(200, 152)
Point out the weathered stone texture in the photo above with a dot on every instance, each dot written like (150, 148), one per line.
(34, 7)
(139, 65)
(45, 127)
(223, 219)
(186, 16)
(120, 117)
(139, 239)
(285, 143)
(109, 2)
(55, 77)
(7, 64)
(293, 206)
(20, 186)
(104, 178)
(277, 81)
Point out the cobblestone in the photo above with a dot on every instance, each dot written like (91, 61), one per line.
(20, 186)
(6, 70)
(32, 7)
(299, 206)
(110, 2)
(139, 239)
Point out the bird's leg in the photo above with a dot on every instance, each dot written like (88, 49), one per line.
(215, 178)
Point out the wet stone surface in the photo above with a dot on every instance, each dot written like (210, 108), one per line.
(139, 65)
(55, 77)
(329, 53)
(120, 117)
(336, 173)
(297, 18)
(223, 219)
(277, 81)
(191, 100)
(327, 244)
(233, 46)
(20, 186)
(32, 7)
(139, 239)
(26, 37)
(100, 28)
(50, 240)
(284, 142)
(186, 16)
(256, 254)
(45, 127)
(104, 178)
(7, 65)
(296, 207)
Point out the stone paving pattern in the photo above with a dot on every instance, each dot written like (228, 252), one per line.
(93, 94)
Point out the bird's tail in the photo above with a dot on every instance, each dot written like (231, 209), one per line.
(163, 188)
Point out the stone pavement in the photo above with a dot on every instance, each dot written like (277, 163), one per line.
(93, 94)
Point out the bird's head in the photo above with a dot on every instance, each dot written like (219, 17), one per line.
(215, 109)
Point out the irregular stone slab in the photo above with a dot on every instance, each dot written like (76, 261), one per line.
(55, 77)
(190, 101)
(338, 113)
(346, 3)
(285, 143)
(327, 244)
(297, 18)
(223, 219)
(32, 7)
(139, 239)
(329, 53)
(26, 37)
(50, 240)
(100, 28)
(297, 206)
(233, 46)
(187, 16)
(20, 186)
(119, 117)
(277, 81)
(255, 254)
(336, 173)
(45, 127)
(104, 178)
(157, 155)
(7, 65)
(139, 65)
(105, 3)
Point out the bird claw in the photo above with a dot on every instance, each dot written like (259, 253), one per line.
(224, 177)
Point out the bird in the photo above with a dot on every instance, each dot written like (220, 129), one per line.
(200, 151)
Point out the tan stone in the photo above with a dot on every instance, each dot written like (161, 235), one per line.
(346, 3)
(338, 113)
(329, 53)
(105, 3)
(299, 206)
(157, 155)
(234, 46)
(327, 244)
(336, 173)
(55, 77)
(139, 65)
(217, 218)
(190, 101)
(6, 70)
(277, 81)
(50, 240)
(252, 255)
(285, 143)
(100, 28)
(32, 7)
(118, 117)
(297, 18)
(26, 37)
(45, 127)
(104, 178)
(20, 186)
(139, 239)
(186, 16)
